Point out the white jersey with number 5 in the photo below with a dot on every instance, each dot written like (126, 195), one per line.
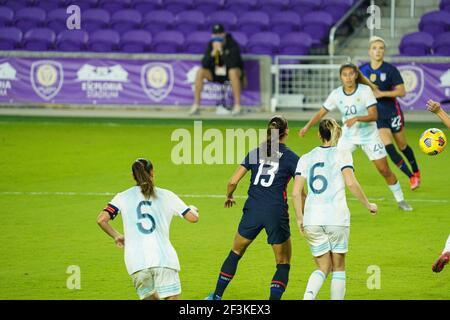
(351, 106)
(146, 224)
(326, 204)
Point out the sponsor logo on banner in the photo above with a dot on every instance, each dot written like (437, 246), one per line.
(7, 74)
(100, 82)
(157, 80)
(211, 90)
(46, 78)
(414, 80)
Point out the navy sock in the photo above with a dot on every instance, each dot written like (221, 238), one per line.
(409, 154)
(227, 272)
(398, 160)
(279, 281)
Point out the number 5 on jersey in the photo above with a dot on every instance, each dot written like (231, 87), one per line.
(141, 216)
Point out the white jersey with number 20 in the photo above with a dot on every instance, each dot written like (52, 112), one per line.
(146, 225)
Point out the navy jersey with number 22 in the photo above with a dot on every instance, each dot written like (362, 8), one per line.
(269, 179)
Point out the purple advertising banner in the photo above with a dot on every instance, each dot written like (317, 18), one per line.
(113, 81)
(424, 81)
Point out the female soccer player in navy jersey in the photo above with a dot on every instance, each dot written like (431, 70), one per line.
(271, 165)
(390, 123)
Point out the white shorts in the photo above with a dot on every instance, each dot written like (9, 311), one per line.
(164, 282)
(322, 239)
(374, 150)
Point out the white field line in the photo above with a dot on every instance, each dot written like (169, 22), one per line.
(218, 196)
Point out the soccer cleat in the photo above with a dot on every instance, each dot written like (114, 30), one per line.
(414, 182)
(403, 205)
(236, 111)
(441, 262)
(213, 296)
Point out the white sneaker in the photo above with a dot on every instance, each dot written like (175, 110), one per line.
(236, 110)
(403, 205)
(195, 109)
(222, 111)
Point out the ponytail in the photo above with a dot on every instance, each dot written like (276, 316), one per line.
(141, 172)
(280, 124)
(330, 131)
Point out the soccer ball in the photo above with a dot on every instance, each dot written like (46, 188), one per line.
(432, 141)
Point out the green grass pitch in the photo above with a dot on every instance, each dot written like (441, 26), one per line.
(44, 233)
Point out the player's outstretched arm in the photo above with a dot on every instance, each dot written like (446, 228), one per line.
(192, 215)
(298, 197)
(316, 118)
(232, 185)
(355, 188)
(103, 222)
(399, 91)
(435, 107)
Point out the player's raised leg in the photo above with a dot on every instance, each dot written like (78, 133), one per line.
(387, 138)
(229, 266)
(383, 168)
(400, 140)
(280, 279)
(443, 259)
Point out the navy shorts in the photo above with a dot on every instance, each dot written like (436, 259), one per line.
(276, 224)
(394, 120)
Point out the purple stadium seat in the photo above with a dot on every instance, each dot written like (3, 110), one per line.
(253, 22)
(197, 42)
(264, 43)
(28, 18)
(176, 6)
(6, 16)
(136, 41)
(273, 6)
(48, 5)
(17, 4)
(56, 20)
(441, 45)
(72, 40)
(208, 6)
(284, 22)
(445, 5)
(416, 44)
(241, 38)
(83, 4)
(39, 39)
(226, 18)
(10, 38)
(303, 7)
(145, 6)
(168, 42)
(95, 19)
(317, 24)
(435, 22)
(337, 8)
(125, 20)
(295, 43)
(240, 6)
(157, 21)
(104, 40)
(190, 21)
(113, 6)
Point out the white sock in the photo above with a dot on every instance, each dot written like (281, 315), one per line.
(315, 282)
(397, 191)
(447, 245)
(338, 285)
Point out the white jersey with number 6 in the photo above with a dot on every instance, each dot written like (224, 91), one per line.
(351, 106)
(146, 225)
(326, 204)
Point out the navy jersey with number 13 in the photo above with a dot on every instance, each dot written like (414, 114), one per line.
(269, 179)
